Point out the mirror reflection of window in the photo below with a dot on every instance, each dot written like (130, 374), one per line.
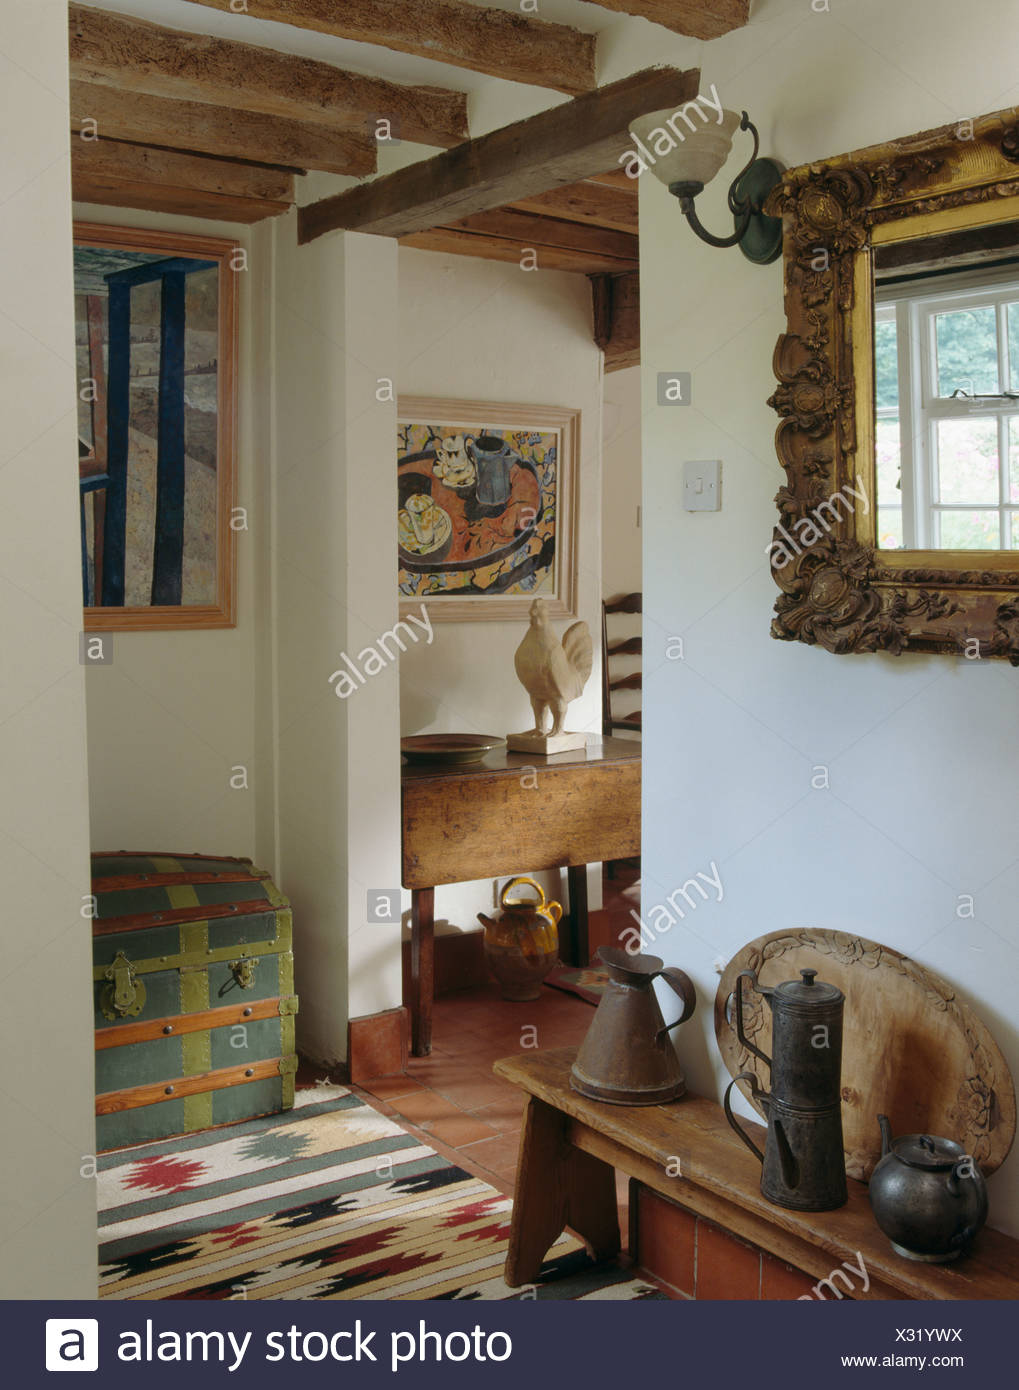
(946, 364)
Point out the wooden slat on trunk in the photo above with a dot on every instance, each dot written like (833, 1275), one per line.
(133, 55)
(517, 47)
(198, 127)
(118, 174)
(545, 151)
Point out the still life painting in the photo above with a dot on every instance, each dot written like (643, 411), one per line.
(486, 507)
(154, 348)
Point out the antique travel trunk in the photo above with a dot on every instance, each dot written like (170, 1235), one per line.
(194, 995)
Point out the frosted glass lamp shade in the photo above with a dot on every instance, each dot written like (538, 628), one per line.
(685, 148)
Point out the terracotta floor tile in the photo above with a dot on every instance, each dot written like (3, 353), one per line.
(500, 1154)
(426, 1105)
(506, 1114)
(391, 1087)
(460, 1130)
(471, 1091)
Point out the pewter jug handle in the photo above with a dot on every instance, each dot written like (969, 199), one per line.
(759, 1095)
(680, 983)
(738, 999)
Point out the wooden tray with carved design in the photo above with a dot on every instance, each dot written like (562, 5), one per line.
(911, 1050)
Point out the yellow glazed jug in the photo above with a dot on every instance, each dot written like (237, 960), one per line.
(522, 945)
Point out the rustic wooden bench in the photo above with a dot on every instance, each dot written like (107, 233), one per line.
(686, 1151)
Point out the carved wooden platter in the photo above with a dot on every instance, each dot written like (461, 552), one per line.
(912, 1050)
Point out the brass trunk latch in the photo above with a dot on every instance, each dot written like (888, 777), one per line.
(124, 994)
(244, 972)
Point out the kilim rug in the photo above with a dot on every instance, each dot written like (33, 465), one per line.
(329, 1200)
(588, 983)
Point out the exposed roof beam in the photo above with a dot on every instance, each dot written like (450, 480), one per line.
(698, 19)
(616, 303)
(216, 130)
(133, 55)
(136, 176)
(531, 231)
(593, 204)
(555, 147)
(502, 44)
(451, 241)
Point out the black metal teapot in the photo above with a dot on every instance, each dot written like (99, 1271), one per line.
(928, 1195)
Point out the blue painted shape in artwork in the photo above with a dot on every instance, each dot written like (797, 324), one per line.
(168, 543)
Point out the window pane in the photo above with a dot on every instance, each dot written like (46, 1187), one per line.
(888, 460)
(886, 363)
(889, 528)
(1013, 459)
(970, 531)
(967, 346)
(1013, 347)
(968, 460)
(1014, 542)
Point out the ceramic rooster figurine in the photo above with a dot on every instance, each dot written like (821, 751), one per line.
(553, 673)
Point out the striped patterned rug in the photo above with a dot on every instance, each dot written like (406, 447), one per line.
(330, 1200)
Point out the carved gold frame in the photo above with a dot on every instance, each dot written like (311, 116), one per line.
(839, 591)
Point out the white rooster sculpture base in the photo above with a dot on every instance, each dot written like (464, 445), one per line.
(554, 674)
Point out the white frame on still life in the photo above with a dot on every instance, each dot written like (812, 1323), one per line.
(493, 481)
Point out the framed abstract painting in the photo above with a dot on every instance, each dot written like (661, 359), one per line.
(487, 508)
(155, 329)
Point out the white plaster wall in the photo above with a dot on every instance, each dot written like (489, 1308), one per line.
(922, 750)
(174, 713)
(332, 493)
(486, 331)
(621, 552)
(47, 1215)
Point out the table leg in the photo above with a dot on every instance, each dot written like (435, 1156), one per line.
(557, 1186)
(578, 948)
(422, 969)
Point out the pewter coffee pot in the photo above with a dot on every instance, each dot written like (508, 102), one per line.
(626, 1057)
(803, 1162)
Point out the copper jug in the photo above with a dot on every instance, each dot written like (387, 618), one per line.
(627, 1057)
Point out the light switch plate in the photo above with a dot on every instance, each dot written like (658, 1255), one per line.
(702, 485)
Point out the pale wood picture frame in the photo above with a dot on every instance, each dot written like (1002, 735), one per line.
(472, 419)
(220, 610)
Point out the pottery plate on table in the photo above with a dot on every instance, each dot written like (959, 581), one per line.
(449, 748)
(912, 1050)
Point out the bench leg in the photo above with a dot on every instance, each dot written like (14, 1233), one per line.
(422, 969)
(557, 1186)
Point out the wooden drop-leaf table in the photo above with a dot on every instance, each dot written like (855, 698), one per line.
(512, 813)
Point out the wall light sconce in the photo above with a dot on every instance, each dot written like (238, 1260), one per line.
(694, 161)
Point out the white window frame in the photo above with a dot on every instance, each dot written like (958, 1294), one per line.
(915, 309)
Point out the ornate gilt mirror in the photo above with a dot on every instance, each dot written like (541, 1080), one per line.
(899, 396)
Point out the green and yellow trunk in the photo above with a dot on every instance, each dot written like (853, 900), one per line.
(194, 995)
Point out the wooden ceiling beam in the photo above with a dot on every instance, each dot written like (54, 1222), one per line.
(697, 19)
(134, 55)
(586, 203)
(526, 229)
(452, 241)
(513, 46)
(616, 304)
(118, 174)
(555, 147)
(200, 128)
